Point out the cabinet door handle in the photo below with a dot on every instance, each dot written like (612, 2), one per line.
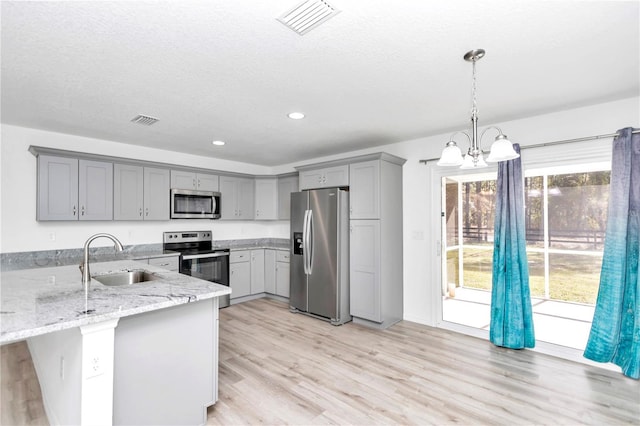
(74, 210)
(82, 210)
(147, 211)
(194, 183)
(198, 183)
(140, 211)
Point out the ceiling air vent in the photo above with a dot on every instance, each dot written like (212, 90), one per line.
(308, 15)
(145, 120)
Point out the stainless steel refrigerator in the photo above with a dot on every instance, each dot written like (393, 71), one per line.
(319, 274)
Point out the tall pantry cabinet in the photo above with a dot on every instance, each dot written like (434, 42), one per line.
(375, 196)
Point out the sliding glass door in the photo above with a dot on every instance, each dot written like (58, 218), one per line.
(565, 216)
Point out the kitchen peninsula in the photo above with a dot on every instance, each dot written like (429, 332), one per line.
(144, 353)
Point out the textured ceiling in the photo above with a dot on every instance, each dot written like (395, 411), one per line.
(376, 73)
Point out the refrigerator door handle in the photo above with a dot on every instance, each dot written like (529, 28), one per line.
(305, 239)
(310, 243)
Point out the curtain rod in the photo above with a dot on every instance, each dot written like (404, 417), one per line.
(588, 138)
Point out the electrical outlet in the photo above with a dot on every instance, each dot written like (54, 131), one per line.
(52, 236)
(96, 366)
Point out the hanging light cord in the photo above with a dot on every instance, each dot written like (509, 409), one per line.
(474, 98)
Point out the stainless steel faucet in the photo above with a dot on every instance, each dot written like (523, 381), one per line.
(84, 266)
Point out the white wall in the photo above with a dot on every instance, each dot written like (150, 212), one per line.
(20, 231)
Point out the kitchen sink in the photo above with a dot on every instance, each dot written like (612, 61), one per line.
(125, 278)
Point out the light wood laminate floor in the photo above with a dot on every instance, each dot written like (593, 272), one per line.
(282, 368)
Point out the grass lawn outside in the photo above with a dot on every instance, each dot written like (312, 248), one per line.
(572, 277)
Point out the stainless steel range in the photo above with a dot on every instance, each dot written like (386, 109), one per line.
(198, 258)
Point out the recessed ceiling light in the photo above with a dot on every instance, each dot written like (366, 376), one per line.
(218, 143)
(295, 115)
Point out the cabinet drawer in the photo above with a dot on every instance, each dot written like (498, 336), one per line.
(239, 256)
(170, 263)
(282, 256)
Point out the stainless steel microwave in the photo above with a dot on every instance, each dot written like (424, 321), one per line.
(188, 204)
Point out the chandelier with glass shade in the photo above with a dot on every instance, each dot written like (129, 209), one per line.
(501, 149)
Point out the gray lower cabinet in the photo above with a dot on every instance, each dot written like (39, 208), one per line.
(170, 263)
(240, 273)
(72, 189)
(257, 271)
(364, 262)
(270, 271)
(282, 273)
(276, 272)
(140, 193)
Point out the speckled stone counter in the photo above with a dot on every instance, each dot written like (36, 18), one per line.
(49, 258)
(43, 300)
(257, 243)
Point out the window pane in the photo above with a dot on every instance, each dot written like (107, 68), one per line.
(533, 202)
(536, 273)
(578, 210)
(574, 277)
(478, 201)
(451, 213)
(477, 268)
(453, 279)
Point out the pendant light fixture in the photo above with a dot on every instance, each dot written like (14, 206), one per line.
(501, 149)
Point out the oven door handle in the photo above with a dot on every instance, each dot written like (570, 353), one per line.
(204, 256)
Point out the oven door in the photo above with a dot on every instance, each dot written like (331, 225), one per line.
(212, 267)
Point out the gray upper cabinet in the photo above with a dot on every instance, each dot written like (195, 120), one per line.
(57, 188)
(237, 198)
(128, 201)
(364, 190)
(141, 193)
(72, 189)
(266, 198)
(326, 177)
(195, 181)
(95, 190)
(286, 185)
(156, 194)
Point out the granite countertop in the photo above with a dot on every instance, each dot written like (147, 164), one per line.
(44, 300)
(63, 257)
